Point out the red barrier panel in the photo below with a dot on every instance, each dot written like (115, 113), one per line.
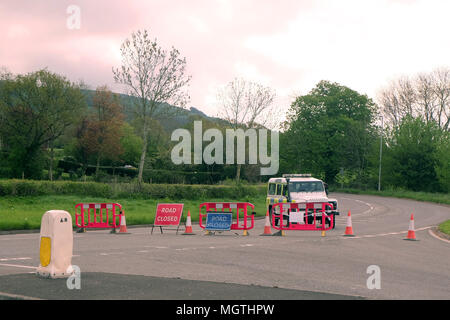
(302, 216)
(241, 223)
(98, 215)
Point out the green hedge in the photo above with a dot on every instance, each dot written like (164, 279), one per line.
(149, 175)
(128, 190)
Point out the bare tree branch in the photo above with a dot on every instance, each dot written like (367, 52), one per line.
(153, 76)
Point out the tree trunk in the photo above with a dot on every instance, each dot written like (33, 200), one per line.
(143, 154)
(238, 173)
(52, 155)
(97, 168)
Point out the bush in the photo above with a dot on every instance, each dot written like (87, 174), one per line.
(128, 190)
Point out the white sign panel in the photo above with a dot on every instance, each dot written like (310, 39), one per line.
(297, 217)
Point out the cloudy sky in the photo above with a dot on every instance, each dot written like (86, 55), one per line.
(288, 45)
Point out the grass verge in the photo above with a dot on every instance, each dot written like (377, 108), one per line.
(444, 227)
(23, 213)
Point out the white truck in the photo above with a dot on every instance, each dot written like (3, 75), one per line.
(299, 188)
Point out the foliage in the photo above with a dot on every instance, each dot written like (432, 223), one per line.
(328, 129)
(411, 158)
(101, 139)
(131, 145)
(443, 161)
(37, 108)
(127, 190)
(153, 76)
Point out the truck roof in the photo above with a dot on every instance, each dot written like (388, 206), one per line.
(296, 179)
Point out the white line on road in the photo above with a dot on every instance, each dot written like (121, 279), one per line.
(155, 247)
(110, 254)
(16, 266)
(17, 296)
(6, 239)
(386, 234)
(366, 203)
(434, 235)
(15, 259)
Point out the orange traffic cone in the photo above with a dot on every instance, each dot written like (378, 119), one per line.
(411, 231)
(188, 225)
(267, 227)
(349, 228)
(123, 224)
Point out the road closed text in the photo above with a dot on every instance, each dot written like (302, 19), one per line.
(168, 214)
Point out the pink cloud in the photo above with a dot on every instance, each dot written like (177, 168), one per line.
(214, 36)
(209, 33)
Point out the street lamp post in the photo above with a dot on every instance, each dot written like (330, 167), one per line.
(381, 151)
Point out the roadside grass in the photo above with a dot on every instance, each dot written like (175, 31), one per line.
(444, 227)
(23, 213)
(443, 198)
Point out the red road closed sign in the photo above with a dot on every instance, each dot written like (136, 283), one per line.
(168, 214)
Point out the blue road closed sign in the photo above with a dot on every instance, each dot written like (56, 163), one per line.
(218, 221)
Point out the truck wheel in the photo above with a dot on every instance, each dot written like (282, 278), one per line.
(334, 221)
(328, 222)
(277, 220)
(310, 217)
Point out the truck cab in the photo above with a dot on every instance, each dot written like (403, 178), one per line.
(299, 188)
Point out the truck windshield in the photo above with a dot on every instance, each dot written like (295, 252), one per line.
(306, 186)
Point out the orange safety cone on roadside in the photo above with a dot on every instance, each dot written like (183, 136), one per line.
(349, 228)
(267, 227)
(411, 232)
(188, 230)
(123, 224)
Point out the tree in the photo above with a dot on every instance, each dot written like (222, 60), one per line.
(443, 161)
(246, 104)
(425, 95)
(35, 110)
(131, 145)
(411, 156)
(328, 129)
(98, 136)
(153, 76)
(103, 132)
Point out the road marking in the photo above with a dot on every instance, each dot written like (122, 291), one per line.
(366, 203)
(155, 247)
(111, 253)
(15, 259)
(434, 235)
(16, 266)
(386, 234)
(6, 239)
(247, 245)
(17, 296)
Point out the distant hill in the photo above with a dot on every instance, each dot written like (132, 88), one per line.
(181, 118)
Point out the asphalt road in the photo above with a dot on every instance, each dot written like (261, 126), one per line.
(301, 265)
